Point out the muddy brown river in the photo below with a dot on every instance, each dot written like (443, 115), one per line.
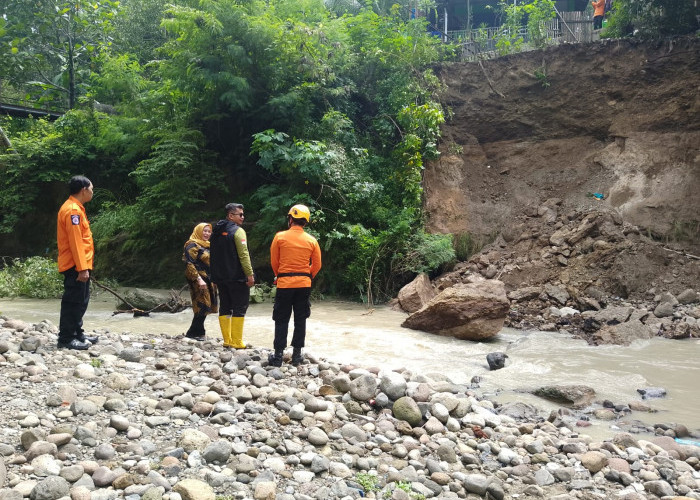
(346, 333)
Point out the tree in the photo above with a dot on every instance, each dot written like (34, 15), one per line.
(53, 44)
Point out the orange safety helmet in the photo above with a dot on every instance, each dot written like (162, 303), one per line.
(300, 212)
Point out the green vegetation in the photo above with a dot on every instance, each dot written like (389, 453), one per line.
(651, 18)
(404, 486)
(96, 362)
(177, 108)
(35, 277)
(535, 13)
(367, 481)
(541, 75)
(466, 244)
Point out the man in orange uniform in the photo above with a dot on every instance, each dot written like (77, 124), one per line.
(598, 13)
(75, 254)
(295, 258)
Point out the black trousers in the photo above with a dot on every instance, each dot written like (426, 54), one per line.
(74, 303)
(597, 22)
(286, 301)
(234, 297)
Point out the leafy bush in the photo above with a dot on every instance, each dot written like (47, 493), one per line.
(35, 277)
(651, 18)
(467, 244)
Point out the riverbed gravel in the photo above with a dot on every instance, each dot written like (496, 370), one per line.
(144, 417)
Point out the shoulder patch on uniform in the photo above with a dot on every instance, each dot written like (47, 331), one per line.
(75, 219)
(243, 241)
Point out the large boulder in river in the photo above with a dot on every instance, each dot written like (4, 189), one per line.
(416, 294)
(578, 396)
(468, 311)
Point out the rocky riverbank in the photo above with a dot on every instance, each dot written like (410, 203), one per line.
(149, 418)
(589, 274)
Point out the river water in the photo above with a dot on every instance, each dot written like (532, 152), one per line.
(346, 332)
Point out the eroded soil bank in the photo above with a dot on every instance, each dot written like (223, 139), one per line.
(533, 136)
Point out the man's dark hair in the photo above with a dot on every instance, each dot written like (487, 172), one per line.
(298, 221)
(77, 183)
(233, 206)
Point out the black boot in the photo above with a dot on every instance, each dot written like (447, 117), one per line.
(196, 330)
(275, 359)
(297, 357)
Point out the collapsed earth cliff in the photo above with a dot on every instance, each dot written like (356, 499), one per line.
(578, 165)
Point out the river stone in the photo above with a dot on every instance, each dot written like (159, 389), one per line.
(84, 371)
(40, 448)
(468, 311)
(496, 360)
(392, 384)
(688, 296)
(416, 294)
(352, 433)
(84, 407)
(46, 465)
(579, 396)
(446, 452)
(117, 381)
(433, 426)
(557, 293)
(439, 411)
(526, 293)
(30, 344)
(3, 473)
(265, 490)
(624, 333)
(652, 392)
(105, 451)
(363, 388)
(192, 439)
(130, 354)
(476, 483)
(659, 488)
(194, 489)
(119, 422)
(594, 461)
(103, 476)
(72, 473)
(51, 488)
(407, 409)
(31, 436)
(663, 310)
(317, 437)
(217, 452)
(15, 324)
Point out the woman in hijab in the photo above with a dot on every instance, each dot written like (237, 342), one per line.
(202, 290)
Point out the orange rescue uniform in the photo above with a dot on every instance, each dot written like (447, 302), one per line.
(300, 254)
(599, 8)
(74, 237)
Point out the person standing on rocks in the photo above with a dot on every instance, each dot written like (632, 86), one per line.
(232, 272)
(295, 257)
(75, 257)
(202, 291)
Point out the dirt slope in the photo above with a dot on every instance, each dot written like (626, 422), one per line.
(533, 135)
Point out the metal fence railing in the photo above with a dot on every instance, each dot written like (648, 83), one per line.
(571, 27)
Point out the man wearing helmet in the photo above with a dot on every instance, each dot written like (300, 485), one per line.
(295, 258)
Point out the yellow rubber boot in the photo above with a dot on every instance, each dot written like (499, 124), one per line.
(237, 333)
(225, 325)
